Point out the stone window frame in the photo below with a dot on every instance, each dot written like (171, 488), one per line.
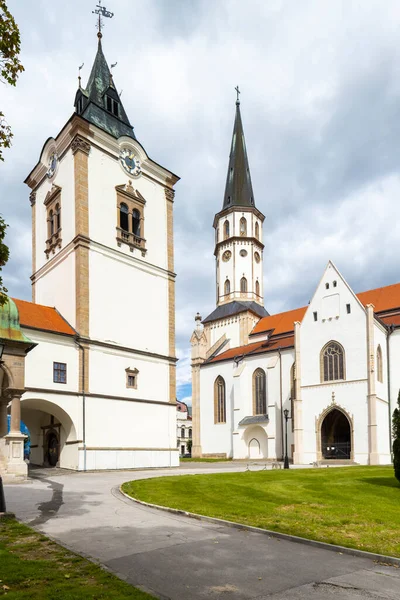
(322, 362)
(226, 230)
(219, 401)
(258, 289)
(259, 393)
(134, 200)
(131, 373)
(53, 206)
(243, 285)
(257, 231)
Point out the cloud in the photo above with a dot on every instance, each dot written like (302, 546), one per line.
(321, 111)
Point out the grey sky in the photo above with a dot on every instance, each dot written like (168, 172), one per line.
(320, 106)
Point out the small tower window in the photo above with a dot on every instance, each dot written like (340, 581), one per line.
(227, 287)
(348, 308)
(123, 217)
(327, 286)
(315, 316)
(226, 230)
(243, 285)
(243, 226)
(112, 105)
(136, 222)
(334, 283)
(257, 231)
(257, 288)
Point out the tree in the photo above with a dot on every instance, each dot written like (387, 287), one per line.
(189, 446)
(4, 254)
(396, 439)
(10, 66)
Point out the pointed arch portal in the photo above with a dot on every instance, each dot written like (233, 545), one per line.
(336, 436)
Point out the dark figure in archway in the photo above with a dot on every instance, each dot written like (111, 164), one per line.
(53, 445)
(336, 436)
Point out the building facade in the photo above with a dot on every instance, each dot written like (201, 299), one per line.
(331, 365)
(103, 256)
(184, 428)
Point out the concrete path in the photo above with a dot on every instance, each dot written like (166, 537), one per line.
(178, 558)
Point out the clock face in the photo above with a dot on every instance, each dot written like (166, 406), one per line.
(226, 255)
(52, 165)
(257, 257)
(130, 162)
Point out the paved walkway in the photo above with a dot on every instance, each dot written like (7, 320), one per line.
(179, 558)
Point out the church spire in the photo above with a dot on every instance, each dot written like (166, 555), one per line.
(100, 102)
(238, 189)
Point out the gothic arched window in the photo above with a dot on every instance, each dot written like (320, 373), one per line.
(257, 231)
(243, 226)
(136, 222)
(123, 217)
(190, 434)
(219, 401)
(259, 392)
(257, 288)
(379, 369)
(182, 432)
(243, 285)
(332, 362)
(226, 229)
(227, 287)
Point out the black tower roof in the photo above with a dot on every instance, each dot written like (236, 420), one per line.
(238, 189)
(100, 103)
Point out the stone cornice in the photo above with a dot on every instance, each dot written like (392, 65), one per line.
(80, 144)
(238, 239)
(238, 209)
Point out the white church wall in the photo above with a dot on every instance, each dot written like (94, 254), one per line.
(57, 287)
(216, 438)
(394, 348)
(116, 436)
(128, 303)
(64, 178)
(380, 340)
(230, 326)
(105, 173)
(383, 418)
(39, 361)
(107, 374)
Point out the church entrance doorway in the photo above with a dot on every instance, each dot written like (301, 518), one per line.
(336, 436)
(254, 449)
(52, 451)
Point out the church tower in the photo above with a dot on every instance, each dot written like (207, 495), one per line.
(238, 250)
(103, 255)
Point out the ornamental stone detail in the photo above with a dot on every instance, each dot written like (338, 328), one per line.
(79, 143)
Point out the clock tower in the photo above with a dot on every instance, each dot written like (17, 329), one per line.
(103, 255)
(238, 251)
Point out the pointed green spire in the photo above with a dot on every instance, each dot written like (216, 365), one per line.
(100, 103)
(238, 189)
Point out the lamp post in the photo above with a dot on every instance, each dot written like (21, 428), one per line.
(286, 461)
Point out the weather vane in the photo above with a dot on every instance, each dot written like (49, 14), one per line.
(101, 11)
(237, 94)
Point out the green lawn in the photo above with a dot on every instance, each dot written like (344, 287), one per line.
(32, 566)
(358, 507)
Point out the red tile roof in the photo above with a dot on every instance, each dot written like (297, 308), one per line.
(255, 348)
(46, 318)
(280, 323)
(383, 299)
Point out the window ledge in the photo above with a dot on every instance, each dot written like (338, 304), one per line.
(53, 242)
(131, 240)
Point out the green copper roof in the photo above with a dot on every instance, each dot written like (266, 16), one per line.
(9, 323)
(238, 189)
(91, 103)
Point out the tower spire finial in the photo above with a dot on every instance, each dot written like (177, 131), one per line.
(79, 75)
(101, 11)
(237, 95)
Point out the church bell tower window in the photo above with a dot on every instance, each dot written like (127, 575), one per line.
(136, 222)
(243, 226)
(123, 217)
(112, 105)
(226, 230)
(243, 285)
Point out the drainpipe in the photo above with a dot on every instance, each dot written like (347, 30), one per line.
(83, 404)
(280, 397)
(390, 331)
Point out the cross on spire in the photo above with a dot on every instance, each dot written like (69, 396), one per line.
(237, 94)
(101, 11)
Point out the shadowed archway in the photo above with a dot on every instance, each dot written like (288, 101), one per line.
(336, 436)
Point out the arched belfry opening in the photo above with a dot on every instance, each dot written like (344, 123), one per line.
(336, 436)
